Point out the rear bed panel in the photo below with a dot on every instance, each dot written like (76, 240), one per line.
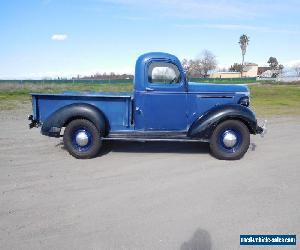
(116, 107)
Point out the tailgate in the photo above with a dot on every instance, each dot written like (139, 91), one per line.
(34, 118)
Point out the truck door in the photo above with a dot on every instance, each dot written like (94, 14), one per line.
(165, 97)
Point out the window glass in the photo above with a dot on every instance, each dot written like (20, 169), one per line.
(162, 72)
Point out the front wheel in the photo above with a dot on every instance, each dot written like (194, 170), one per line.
(82, 139)
(230, 140)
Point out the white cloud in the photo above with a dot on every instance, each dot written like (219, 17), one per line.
(59, 37)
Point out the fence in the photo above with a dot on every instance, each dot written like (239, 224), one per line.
(225, 80)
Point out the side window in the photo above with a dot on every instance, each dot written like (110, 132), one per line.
(162, 72)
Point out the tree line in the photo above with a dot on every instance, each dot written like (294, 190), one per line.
(105, 76)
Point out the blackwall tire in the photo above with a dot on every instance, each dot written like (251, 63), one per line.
(230, 140)
(82, 139)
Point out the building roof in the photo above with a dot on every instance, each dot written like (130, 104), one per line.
(262, 69)
(251, 64)
(227, 72)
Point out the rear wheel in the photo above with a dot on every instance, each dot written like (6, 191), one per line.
(82, 139)
(230, 140)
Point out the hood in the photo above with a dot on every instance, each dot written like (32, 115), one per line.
(212, 87)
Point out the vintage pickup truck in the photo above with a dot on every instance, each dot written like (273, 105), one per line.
(164, 106)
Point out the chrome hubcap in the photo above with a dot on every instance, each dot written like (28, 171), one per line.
(229, 139)
(82, 139)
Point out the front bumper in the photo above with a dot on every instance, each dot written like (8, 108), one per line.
(263, 129)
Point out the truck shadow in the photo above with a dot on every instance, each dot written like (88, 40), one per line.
(200, 240)
(156, 147)
(151, 147)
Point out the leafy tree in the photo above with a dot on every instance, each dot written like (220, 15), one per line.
(273, 63)
(275, 66)
(244, 41)
(236, 67)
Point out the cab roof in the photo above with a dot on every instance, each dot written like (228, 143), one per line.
(143, 60)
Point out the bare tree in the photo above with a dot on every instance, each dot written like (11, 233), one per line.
(187, 66)
(201, 66)
(192, 67)
(208, 62)
(244, 41)
(296, 67)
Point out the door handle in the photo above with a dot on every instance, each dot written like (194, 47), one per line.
(149, 89)
(137, 109)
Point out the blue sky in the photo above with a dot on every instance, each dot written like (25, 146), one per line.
(42, 38)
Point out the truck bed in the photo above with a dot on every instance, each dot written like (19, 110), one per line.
(116, 106)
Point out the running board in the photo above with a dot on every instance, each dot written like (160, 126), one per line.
(142, 137)
(151, 139)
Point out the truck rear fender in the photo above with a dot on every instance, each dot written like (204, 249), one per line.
(63, 116)
(205, 124)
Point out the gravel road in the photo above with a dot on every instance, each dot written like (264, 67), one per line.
(145, 195)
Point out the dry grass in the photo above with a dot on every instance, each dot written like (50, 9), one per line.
(13, 96)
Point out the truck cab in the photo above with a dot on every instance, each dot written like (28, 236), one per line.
(164, 100)
(164, 106)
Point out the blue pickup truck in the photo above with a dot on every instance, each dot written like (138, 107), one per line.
(164, 106)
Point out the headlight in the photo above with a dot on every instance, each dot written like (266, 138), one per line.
(245, 101)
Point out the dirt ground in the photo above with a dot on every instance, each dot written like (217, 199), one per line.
(145, 195)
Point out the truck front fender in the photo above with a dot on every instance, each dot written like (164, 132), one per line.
(60, 118)
(205, 124)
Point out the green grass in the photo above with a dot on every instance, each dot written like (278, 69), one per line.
(278, 82)
(266, 99)
(276, 99)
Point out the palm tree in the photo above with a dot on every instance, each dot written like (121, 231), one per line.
(244, 41)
